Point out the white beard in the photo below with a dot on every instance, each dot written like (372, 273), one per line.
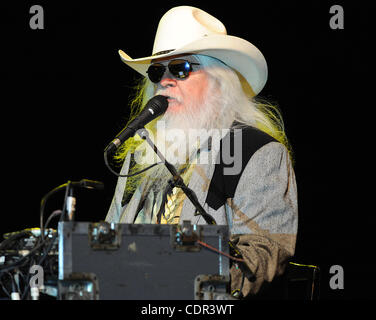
(176, 136)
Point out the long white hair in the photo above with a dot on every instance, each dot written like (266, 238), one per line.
(232, 103)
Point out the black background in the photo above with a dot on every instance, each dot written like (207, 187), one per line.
(66, 96)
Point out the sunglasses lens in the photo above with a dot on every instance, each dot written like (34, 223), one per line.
(179, 68)
(155, 72)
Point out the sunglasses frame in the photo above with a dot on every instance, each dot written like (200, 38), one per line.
(184, 75)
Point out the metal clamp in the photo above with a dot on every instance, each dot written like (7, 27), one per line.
(79, 286)
(212, 287)
(184, 237)
(104, 236)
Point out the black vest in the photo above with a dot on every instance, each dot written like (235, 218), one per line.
(223, 186)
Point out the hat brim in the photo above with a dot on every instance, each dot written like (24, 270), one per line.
(237, 53)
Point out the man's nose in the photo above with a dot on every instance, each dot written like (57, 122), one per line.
(168, 80)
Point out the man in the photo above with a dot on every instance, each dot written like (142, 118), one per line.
(242, 177)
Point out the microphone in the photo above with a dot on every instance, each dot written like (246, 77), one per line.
(154, 108)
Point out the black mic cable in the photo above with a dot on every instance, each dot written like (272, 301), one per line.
(84, 183)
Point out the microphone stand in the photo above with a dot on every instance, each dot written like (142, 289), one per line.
(177, 179)
(178, 182)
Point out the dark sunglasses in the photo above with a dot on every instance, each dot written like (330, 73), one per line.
(179, 68)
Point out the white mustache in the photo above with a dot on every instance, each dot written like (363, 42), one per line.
(170, 96)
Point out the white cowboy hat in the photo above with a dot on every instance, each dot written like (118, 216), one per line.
(191, 30)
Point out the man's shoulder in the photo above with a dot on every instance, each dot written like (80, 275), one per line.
(252, 138)
(248, 139)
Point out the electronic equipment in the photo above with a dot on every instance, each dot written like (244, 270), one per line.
(142, 261)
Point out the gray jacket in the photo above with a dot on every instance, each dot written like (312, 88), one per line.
(262, 215)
